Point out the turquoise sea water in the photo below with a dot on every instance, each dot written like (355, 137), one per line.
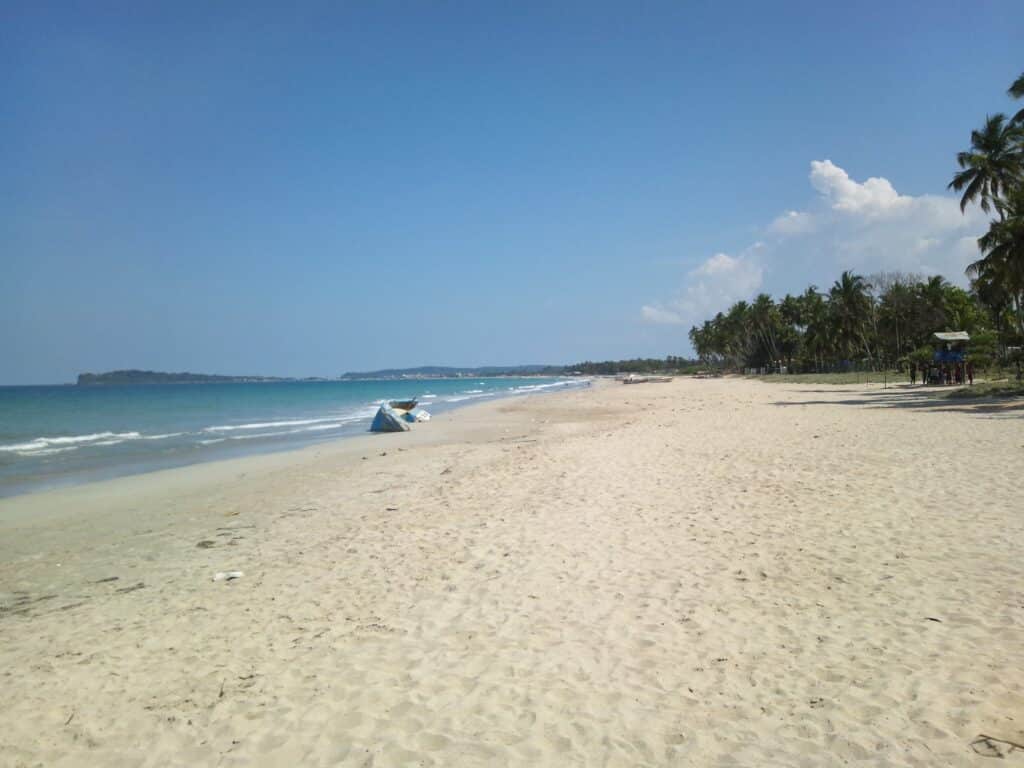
(64, 434)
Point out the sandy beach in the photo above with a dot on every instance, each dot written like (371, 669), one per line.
(719, 572)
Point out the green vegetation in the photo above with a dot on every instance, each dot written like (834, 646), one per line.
(862, 323)
(887, 320)
(670, 364)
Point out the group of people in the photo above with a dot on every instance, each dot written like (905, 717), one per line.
(955, 373)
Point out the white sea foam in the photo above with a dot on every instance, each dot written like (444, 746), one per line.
(460, 398)
(335, 424)
(43, 443)
(46, 451)
(258, 435)
(163, 437)
(265, 425)
(552, 385)
(214, 440)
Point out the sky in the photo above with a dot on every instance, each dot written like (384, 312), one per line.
(310, 188)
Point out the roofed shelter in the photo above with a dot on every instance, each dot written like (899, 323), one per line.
(949, 360)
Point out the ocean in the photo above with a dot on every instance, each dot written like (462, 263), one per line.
(62, 435)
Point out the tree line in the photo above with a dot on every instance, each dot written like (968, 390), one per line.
(888, 319)
(670, 364)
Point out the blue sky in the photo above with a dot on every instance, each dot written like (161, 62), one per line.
(330, 186)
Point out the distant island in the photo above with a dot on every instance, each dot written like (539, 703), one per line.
(157, 377)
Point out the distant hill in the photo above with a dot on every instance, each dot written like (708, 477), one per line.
(442, 372)
(156, 377)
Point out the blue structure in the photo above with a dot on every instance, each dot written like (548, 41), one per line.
(949, 356)
(949, 360)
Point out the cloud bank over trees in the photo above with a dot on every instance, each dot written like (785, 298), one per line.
(866, 226)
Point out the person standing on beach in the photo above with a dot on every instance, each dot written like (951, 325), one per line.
(913, 374)
(970, 372)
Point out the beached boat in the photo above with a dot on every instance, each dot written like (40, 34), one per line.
(403, 405)
(388, 420)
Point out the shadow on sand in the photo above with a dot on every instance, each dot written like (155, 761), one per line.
(921, 399)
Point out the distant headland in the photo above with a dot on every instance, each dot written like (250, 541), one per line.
(157, 377)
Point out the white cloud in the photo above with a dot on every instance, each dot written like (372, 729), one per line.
(712, 286)
(869, 226)
(719, 264)
(792, 223)
(874, 197)
(660, 315)
(865, 226)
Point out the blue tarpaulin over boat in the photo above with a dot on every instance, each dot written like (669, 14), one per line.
(388, 420)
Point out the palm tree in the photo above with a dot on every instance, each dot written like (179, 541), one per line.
(736, 330)
(992, 293)
(896, 305)
(1016, 91)
(705, 343)
(1002, 249)
(933, 303)
(819, 338)
(852, 310)
(765, 322)
(993, 165)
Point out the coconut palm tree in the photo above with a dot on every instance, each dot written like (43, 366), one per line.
(706, 341)
(993, 165)
(992, 293)
(1016, 91)
(1002, 249)
(896, 307)
(765, 323)
(932, 304)
(819, 336)
(851, 307)
(737, 333)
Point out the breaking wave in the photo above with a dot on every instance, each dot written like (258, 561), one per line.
(72, 441)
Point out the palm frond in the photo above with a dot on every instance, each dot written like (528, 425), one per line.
(1016, 90)
(975, 189)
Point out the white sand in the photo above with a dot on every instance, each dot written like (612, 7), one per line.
(714, 572)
